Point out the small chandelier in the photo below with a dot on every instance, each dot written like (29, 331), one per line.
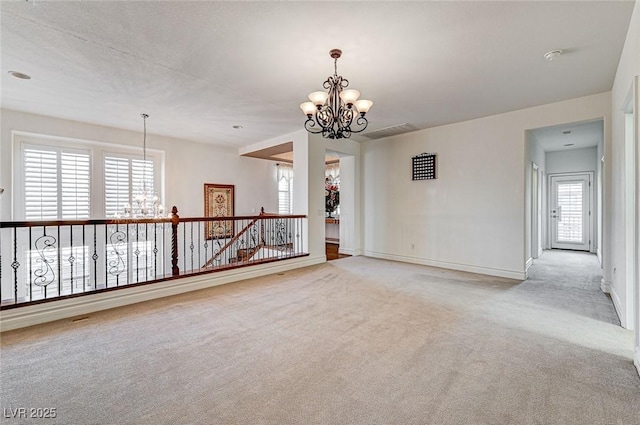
(148, 203)
(336, 113)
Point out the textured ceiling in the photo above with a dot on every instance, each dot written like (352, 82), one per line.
(199, 68)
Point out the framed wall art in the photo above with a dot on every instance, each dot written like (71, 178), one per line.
(218, 202)
(423, 166)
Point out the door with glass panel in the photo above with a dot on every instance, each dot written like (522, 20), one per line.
(570, 212)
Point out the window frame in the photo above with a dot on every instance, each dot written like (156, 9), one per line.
(97, 153)
(279, 176)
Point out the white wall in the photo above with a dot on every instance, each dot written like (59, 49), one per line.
(572, 161)
(618, 223)
(309, 152)
(188, 165)
(473, 216)
(535, 154)
(350, 192)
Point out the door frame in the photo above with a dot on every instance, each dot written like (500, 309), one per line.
(591, 205)
(537, 232)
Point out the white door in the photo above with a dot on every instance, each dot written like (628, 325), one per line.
(570, 215)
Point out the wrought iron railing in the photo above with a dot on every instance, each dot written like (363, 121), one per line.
(47, 260)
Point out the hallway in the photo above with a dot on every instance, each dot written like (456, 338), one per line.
(571, 281)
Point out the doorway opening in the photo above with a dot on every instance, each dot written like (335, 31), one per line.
(339, 178)
(564, 189)
(570, 206)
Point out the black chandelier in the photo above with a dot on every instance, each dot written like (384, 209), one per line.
(336, 113)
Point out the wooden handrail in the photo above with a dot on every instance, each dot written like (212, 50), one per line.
(101, 221)
(161, 255)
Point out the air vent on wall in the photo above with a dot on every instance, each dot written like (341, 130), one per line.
(394, 130)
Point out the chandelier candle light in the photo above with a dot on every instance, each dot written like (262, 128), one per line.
(333, 113)
(148, 203)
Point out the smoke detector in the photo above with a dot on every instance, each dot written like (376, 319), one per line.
(551, 55)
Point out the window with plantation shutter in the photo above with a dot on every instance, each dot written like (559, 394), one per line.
(40, 184)
(75, 175)
(124, 180)
(56, 184)
(571, 204)
(58, 179)
(116, 185)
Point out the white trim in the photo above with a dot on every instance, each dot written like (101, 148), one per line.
(617, 304)
(509, 274)
(528, 264)
(353, 252)
(605, 286)
(636, 360)
(55, 310)
(590, 192)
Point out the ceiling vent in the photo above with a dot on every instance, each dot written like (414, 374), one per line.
(394, 130)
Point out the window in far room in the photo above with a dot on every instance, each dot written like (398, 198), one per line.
(285, 188)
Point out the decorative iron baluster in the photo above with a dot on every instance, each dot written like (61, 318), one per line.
(155, 250)
(300, 235)
(59, 265)
(117, 240)
(30, 265)
(191, 246)
(15, 264)
(219, 259)
(95, 257)
(84, 262)
(71, 258)
(45, 275)
(106, 258)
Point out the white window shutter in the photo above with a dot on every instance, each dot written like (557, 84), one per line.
(75, 172)
(125, 179)
(40, 184)
(116, 185)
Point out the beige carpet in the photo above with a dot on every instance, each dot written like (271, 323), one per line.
(353, 341)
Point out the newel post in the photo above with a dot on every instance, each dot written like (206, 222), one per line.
(175, 220)
(262, 239)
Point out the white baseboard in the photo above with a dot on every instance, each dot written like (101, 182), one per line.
(636, 359)
(353, 252)
(617, 304)
(55, 310)
(528, 264)
(509, 274)
(605, 286)
(599, 255)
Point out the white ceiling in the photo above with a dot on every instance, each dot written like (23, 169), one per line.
(199, 68)
(581, 135)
